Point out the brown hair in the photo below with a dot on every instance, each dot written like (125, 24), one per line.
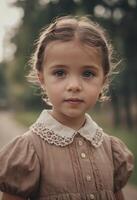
(68, 28)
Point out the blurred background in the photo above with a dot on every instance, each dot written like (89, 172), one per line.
(20, 25)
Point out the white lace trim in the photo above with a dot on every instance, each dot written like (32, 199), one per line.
(97, 138)
(52, 138)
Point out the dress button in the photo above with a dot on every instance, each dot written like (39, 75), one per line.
(83, 155)
(80, 143)
(88, 177)
(91, 196)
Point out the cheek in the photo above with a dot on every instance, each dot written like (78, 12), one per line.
(93, 94)
(94, 91)
(53, 90)
(95, 86)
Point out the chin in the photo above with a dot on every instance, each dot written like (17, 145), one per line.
(74, 113)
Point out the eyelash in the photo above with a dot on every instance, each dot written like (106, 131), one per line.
(61, 73)
(88, 74)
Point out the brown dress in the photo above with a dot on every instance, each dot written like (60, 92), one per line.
(54, 162)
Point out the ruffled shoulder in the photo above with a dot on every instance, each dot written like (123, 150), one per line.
(123, 163)
(19, 168)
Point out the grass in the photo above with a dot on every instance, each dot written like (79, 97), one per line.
(105, 121)
(27, 117)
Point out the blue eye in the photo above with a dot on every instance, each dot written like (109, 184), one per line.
(88, 74)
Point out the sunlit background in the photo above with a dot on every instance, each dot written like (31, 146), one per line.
(10, 18)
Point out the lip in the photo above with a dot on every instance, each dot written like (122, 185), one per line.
(74, 100)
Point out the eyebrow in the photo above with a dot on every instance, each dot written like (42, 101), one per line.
(58, 66)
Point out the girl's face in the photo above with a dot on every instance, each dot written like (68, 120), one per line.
(72, 77)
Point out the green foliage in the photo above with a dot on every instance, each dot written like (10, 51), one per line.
(27, 117)
(3, 86)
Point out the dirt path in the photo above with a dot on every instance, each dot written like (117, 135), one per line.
(9, 129)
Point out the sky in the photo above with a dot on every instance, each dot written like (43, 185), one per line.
(10, 17)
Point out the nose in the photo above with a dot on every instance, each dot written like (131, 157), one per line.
(74, 84)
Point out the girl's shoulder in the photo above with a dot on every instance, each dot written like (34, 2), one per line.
(119, 150)
(123, 160)
(19, 166)
(118, 147)
(20, 142)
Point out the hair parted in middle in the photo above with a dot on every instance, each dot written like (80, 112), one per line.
(69, 28)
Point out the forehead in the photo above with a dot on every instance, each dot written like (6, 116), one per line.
(72, 51)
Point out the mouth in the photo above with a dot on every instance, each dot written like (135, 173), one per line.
(74, 100)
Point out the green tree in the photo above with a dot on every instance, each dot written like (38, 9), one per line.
(3, 86)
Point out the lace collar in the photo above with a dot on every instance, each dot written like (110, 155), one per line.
(52, 131)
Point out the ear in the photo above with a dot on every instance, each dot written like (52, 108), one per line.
(40, 77)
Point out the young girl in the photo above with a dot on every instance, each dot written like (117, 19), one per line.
(65, 155)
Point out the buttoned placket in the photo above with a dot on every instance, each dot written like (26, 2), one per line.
(85, 165)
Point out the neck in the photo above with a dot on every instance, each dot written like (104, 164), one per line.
(72, 122)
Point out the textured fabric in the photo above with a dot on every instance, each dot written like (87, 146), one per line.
(19, 167)
(33, 167)
(56, 133)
